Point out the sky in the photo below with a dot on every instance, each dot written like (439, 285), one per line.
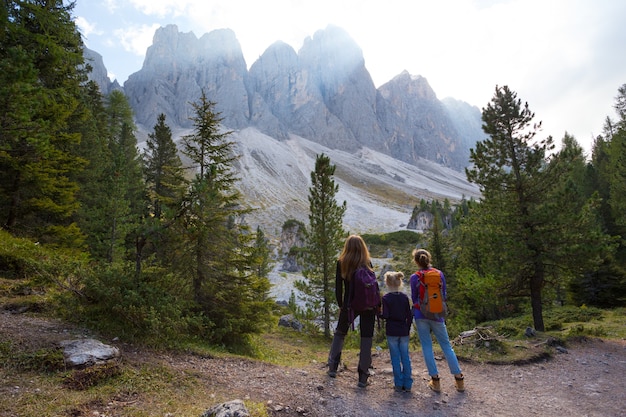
(565, 58)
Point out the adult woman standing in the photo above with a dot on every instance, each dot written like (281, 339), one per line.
(424, 326)
(354, 255)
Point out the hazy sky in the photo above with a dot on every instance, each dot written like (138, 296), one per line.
(566, 58)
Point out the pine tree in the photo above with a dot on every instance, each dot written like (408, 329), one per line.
(324, 239)
(40, 86)
(166, 185)
(217, 251)
(617, 160)
(163, 169)
(576, 231)
(578, 221)
(126, 207)
(606, 176)
(261, 254)
(510, 169)
(94, 180)
(599, 174)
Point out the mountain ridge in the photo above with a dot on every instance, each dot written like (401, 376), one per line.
(391, 146)
(380, 191)
(323, 92)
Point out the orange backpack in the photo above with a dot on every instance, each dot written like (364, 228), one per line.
(432, 304)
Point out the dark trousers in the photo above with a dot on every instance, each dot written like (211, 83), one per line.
(367, 319)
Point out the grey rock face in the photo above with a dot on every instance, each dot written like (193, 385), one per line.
(323, 93)
(417, 124)
(467, 120)
(292, 236)
(99, 73)
(273, 81)
(422, 221)
(337, 70)
(176, 70)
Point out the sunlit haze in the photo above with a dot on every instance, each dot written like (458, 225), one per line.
(566, 58)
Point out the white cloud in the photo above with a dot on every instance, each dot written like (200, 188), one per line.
(111, 5)
(137, 39)
(163, 8)
(86, 28)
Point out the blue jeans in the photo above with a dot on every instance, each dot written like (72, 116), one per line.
(400, 361)
(424, 327)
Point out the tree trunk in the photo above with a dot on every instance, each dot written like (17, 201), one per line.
(199, 277)
(326, 305)
(536, 282)
(140, 243)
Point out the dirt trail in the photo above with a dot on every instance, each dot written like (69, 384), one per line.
(588, 380)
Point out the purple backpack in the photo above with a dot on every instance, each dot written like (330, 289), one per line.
(366, 294)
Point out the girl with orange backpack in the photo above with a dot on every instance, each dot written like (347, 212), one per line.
(431, 295)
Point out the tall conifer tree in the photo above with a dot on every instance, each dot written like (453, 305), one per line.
(163, 169)
(40, 53)
(606, 175)
(217, 255)
(94, 180)
(617, 158)
(126, 206)
(533, 223)
(166, 185)
(323, 242)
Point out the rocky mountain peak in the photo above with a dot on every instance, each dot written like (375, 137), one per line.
(331, 53)
(337, 69)
(221, 43)
(99, 73)
(323, 93)
(417, 123)
(405, 84)
(170, 46)
(392, 146)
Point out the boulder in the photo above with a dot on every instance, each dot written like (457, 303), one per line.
(235, 408)
(289, 320)
(87, 352)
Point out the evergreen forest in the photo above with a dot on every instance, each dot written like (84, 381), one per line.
(138, 244)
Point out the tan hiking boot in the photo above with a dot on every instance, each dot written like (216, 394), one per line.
(434, 384)
(459, 381)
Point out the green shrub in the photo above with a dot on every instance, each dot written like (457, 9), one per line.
(472, 299)
(512, 327)
(582, 330)
(151, 307)
(398, 238)
(41, 265)
(572, 314)
(289, 223)
(22, 258)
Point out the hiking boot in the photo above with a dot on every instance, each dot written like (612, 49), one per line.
(398, 389)
(434, 384)
(331, 373)
(459, 382)
(363, 379)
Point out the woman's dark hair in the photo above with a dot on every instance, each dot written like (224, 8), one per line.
(422, 258)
